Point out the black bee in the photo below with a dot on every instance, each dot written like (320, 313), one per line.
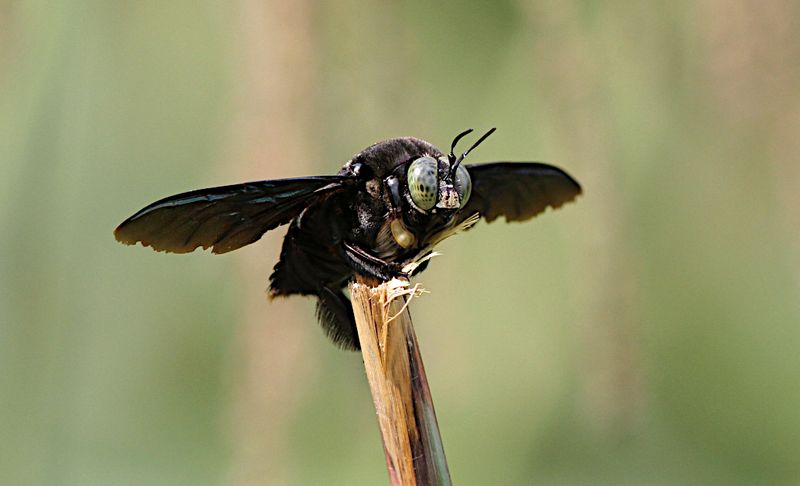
(387, 207)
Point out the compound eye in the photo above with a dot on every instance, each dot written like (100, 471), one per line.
(423, 182)
(462, 183)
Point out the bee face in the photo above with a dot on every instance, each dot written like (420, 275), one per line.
(432, 183)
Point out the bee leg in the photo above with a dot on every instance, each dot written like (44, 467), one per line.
(421, 267)
(336, 317)
(366, 264)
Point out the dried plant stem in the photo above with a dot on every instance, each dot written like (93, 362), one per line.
(411, 440)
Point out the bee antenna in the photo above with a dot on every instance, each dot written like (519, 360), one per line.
(461, 135)
(464, 155)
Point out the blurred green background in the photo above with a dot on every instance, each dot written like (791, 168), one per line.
(648, 334)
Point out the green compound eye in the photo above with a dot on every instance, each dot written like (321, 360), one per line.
(423, 182)
(462, 183)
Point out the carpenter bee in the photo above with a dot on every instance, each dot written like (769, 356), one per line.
(387, 207)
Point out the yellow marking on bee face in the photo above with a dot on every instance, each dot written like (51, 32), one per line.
(448, 197)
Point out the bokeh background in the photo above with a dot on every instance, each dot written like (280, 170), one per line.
(647, 334)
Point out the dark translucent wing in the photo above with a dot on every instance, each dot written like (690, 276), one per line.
(224, 218)
(517, 190)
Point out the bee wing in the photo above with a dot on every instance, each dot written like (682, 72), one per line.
(224, 218)
(517, 190)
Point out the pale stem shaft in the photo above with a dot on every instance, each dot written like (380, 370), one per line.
(411, 440)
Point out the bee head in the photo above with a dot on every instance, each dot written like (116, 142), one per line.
(442, 183)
